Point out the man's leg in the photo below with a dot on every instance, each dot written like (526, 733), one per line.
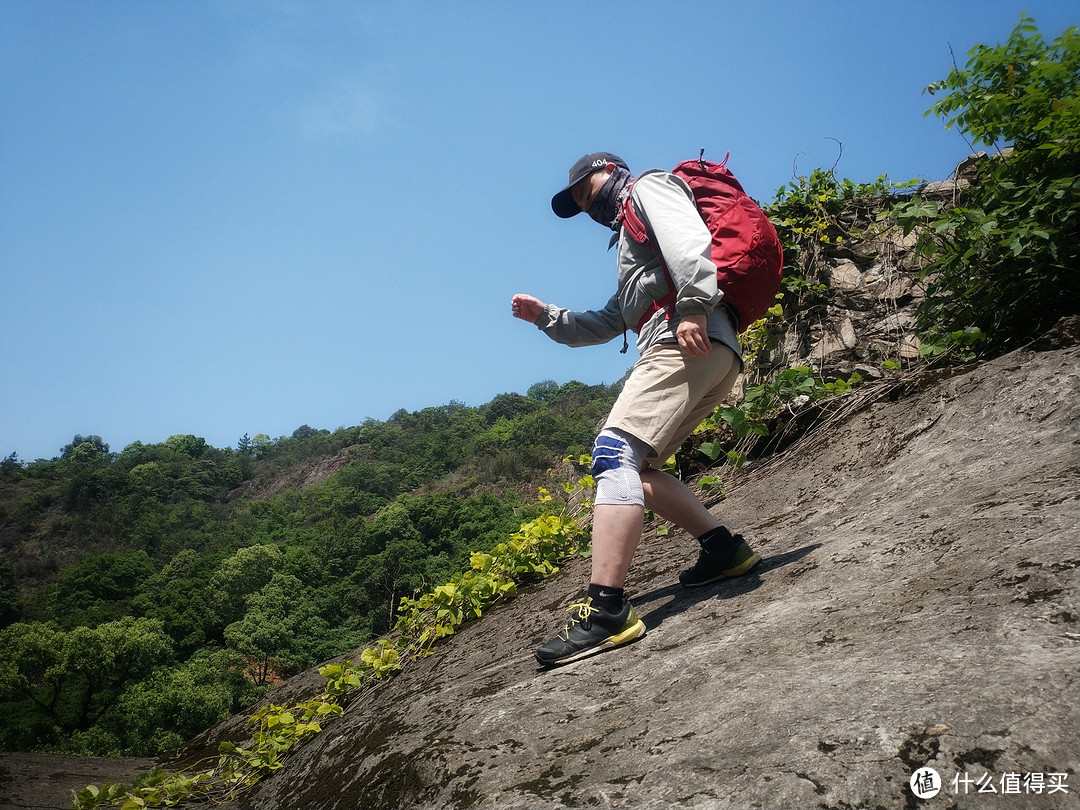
(615, 535)
(672, 500)
(722, 554)
(606, 619)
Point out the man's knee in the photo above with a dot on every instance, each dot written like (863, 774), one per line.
(617, 459)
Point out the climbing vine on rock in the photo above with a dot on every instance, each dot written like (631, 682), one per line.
(533, 552)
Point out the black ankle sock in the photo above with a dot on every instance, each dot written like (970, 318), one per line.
(608, 599)
(718, 541)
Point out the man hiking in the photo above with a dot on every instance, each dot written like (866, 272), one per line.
(689, 360)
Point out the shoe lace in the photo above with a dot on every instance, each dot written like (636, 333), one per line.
(704, 561)
(584, 610)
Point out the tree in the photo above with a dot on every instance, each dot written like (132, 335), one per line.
(261, 444)
(1006, 261)
(185, 608)
(393, 522)
(95, 447)
(182, 596)
(10, 607)
(241, 575)
(244, 458)
(544, 391)
(193, 446)
(85, 460)
(11, 468)
(383, 578)
(100, 587)
(173, 705)
(268, 635)
(74, 677)
(1022, 93)
(510, 406)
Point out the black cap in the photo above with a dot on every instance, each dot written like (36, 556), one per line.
(563, 203)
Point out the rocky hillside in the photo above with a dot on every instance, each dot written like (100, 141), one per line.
(917, 606)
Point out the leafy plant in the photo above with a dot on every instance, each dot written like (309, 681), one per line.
(280, 730)
(733, 428)
(531, 552)
(816, 210)
(814, 214)
(1005, 260)
(963, 343)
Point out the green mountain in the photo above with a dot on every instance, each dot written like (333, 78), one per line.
(237, 567)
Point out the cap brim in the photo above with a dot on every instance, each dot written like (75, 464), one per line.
(563, 204)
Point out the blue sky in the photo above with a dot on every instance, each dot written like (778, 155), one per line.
(223, 217)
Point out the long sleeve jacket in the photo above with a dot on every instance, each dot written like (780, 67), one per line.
(666, 206)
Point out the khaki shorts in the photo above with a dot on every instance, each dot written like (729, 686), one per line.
(669, 393)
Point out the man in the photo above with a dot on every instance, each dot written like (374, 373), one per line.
(689, 361)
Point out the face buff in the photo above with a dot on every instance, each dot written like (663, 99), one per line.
(608, 201)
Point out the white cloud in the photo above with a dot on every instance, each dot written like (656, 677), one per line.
(356, 109)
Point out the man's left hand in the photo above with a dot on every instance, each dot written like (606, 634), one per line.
(693, 335)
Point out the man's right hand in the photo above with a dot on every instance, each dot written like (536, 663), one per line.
(526, 307)
(693, 335)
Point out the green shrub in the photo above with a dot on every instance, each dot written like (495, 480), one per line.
(1005, 260)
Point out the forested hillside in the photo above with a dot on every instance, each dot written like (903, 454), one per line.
(168, 584)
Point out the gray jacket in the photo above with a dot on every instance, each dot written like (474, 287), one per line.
(666, 207)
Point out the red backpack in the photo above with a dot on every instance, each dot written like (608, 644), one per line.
(745, 248)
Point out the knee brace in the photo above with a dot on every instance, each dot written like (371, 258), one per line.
(616, 467)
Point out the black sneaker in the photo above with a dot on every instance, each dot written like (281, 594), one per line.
(711, 567)
(592, 630)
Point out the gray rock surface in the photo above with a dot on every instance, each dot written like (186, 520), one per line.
(46, 781)
(917, 605)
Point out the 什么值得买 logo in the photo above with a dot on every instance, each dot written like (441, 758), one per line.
(925, 783)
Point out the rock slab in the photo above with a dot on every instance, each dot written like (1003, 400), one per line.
(916, 607)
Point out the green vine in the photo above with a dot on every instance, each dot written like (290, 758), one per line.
(532, 552)
(792, 387)
(730, 432)
(813, 212)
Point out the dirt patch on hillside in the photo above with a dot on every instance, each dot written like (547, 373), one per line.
(297, 478)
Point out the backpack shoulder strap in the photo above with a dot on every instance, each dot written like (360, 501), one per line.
(635, 228)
